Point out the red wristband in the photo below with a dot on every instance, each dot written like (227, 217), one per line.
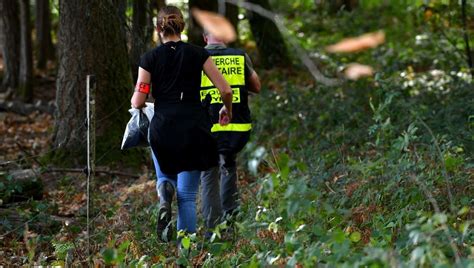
(143, 88)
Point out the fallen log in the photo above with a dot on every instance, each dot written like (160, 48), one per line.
(23, 108)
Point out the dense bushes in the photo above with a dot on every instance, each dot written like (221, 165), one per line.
(374, 173)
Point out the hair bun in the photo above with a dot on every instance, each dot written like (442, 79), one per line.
(171, 21)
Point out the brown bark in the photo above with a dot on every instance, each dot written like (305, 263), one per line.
(270, 42)
(25, 79)
(44, 45)
(141, 33)
(91, 41)
(9, 42)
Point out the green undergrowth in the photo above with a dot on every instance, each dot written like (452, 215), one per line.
(374, 173)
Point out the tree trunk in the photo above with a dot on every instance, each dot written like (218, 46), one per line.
(270, 42)
(141, 34)
(122, 14)
(91, 41)
(25, 82)
(43, 34)
(9, 40)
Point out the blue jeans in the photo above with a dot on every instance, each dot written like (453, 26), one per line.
(186, 184)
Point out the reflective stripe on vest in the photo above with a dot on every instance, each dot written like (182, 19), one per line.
(216, 96)
(232, 127)
(232, 67)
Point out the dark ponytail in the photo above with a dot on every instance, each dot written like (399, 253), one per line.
(170, 21)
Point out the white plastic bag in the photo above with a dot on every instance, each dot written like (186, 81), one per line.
(149, 111)
(137, 132)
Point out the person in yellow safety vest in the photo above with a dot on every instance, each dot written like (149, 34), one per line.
(219, 184)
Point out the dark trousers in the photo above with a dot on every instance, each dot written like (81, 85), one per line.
(219, 194)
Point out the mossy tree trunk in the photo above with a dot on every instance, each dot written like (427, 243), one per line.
(9, 40)
(270, 42)
(91, 41)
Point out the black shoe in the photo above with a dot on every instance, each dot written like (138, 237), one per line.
(164, 228)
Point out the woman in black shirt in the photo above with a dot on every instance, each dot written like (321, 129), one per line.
(180, 136)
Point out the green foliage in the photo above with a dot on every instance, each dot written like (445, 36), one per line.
(351, 176)
(115, 256)
(62, 249)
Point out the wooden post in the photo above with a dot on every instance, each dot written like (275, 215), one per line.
(90, 95)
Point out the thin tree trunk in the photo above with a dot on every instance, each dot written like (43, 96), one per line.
(91, 41)
(466, 38)
(9, 40)
(141, 34)
(270, 42)
(43, 34)
(25, 83)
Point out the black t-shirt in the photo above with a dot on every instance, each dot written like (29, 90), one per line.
(175, 69)
(180, 129)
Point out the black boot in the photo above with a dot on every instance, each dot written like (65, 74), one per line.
(164, 228)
